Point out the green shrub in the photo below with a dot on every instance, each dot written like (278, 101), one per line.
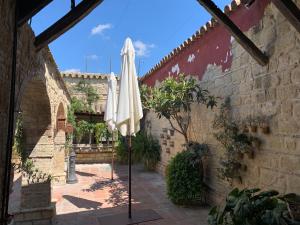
(251, 207)
(121, 150)
(185, 184)
(145, 149)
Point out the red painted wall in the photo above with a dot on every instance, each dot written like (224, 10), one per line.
(214, 47)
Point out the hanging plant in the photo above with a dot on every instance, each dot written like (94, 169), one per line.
(235, 142)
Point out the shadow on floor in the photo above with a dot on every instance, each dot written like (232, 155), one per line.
(82, 203)
(108, 197)
(84, 174)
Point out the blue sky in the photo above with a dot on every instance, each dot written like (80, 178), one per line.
(155, 26)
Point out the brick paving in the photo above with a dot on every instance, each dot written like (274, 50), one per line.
(95, 195)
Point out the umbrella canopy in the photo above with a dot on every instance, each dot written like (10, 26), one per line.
(130, 110)
(110, 116)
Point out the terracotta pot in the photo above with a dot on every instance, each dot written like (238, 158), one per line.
(244, 167)
(246, 130)
(239, 155)
(250, 154)
(254, 128)
(265, 130)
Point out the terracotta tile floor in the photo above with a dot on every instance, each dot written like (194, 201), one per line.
(95, 195)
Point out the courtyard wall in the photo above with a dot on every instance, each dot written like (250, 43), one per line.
(224, 68)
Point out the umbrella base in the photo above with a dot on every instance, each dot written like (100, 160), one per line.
(137, 217)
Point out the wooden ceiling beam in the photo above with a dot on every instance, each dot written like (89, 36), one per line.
(66, 23)
(290, 10)
(239, 36)
(29, 8)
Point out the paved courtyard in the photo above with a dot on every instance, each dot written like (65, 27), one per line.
(95, 195)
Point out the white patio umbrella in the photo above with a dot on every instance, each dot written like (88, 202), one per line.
(130, 110)
(110, 116)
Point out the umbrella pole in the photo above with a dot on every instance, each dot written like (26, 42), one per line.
(112, 159)
(129, 178)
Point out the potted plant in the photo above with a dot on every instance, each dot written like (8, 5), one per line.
(264, 124)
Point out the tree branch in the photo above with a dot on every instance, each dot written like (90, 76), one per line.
(172, 125)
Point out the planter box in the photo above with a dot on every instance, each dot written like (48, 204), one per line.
(35, 195)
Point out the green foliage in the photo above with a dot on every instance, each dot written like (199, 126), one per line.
(26, 165)
(84, 128)
(101, 132)
(234, 141)
(122, 150)
(173, 100)
(19, 138)
(184, 176)
(251, 207)
(145, 149)
(90, 93)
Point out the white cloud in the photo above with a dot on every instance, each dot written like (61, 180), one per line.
(92, 57)
(142, 49)
(71, 71)
(99, 29)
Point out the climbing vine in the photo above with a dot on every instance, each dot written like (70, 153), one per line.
(235, 142)
(90, 94)
(26, 165)
(82, 127)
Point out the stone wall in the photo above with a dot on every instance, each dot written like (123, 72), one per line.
(86, 153)
(97, 81)
(39, 92)
(272, 90)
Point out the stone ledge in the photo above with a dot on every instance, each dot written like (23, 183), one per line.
(35, 216)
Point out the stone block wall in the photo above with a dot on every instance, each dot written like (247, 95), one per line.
(97, 81)
(39, 92)
(272, 90)
(92, 154)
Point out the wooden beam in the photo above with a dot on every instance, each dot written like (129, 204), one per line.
(65, 23)
(290, 10)
(28, 8)
(239, 36)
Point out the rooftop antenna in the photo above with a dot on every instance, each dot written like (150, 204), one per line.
(86, 58)
(110, 64)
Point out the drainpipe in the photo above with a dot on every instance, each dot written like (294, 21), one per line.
(10, 131)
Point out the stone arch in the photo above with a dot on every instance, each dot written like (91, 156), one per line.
(59, 145)
(60, 118)
(36, 112)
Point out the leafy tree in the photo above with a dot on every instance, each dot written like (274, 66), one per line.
(173, 100)
(101, 131)
(84, 128)
(90, 93)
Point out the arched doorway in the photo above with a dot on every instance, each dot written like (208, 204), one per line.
(59, 146)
